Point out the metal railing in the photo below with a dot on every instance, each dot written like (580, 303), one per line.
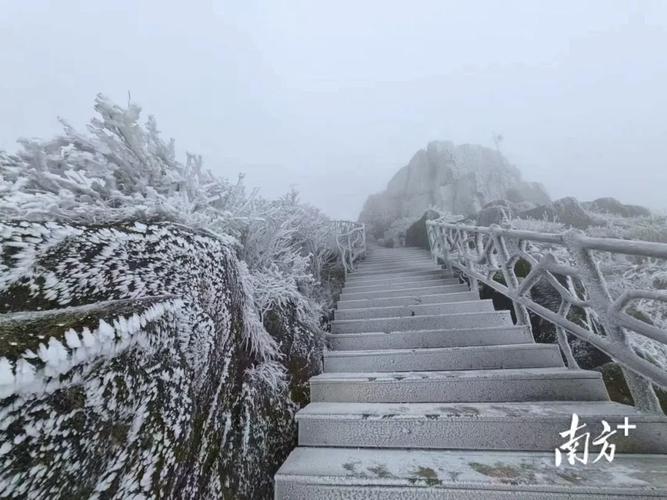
(350, 241)
(512, 262)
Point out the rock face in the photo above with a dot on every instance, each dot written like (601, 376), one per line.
(615, 207)
(455, 179)
(496, 212)
(567, 211)
(417, 235)
(126, 368)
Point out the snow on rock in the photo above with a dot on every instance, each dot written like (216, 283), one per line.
(455, 179)
(125, 367)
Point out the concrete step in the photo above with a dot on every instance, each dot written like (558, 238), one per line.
(422, 290)
(475, 426)
(378, 250)
(399, 254)
(405, 257)
(407, 300)
(461, 337)
(393, 278)
(375, 257)
(444, 358)
(526, 384)
(363, 271)
(423, 259)
(415, 310)
(380, 474)
(398, 262)
(427, 322)
(400, 285)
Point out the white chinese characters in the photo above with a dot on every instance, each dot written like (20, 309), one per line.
(576, 448)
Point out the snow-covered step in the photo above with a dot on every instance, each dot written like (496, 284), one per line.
(444, 358)
(431, 389)
(418, 261)
(407, 300)
(526, 384)
(399, 253)
(401, 259)
(416, 310)
(532, 426)
(422, 290)
(370, 270)
(495, 335)
(390, 278)
(400, 285)
(371, 265)
(381, 474)
(427, 322)
(407, 250)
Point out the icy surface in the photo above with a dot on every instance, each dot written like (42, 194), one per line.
(125, 367)
(472, 470)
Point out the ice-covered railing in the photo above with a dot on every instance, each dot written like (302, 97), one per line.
(350, 240)
(512, 262)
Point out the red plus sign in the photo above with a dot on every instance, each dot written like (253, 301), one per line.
(626, 427)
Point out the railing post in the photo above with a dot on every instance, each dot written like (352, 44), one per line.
(561, 336)
(521, 311)
(444, 248)
(600, 301)
(433, 243)
(363, 240)
(354, 244)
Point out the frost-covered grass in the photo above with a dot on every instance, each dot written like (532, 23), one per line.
(538, 226)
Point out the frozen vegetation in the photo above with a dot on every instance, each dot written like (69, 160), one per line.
(159, 324)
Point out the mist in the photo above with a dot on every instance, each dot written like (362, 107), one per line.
(332, 98)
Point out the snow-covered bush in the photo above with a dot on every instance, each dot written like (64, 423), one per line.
(122, 170)
(65, 204)
(119, 170)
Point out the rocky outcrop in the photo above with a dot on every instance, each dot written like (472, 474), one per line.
(496, 212)
(614, 207)
(567, 211)
(455, 179)
(417, 235)
(129, 367)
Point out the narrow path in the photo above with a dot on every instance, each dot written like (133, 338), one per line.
(428, 392)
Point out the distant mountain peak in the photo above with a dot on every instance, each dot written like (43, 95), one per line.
(453, 178)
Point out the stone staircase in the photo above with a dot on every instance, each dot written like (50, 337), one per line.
(428, 392)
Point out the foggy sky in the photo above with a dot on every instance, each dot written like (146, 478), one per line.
(332, 97)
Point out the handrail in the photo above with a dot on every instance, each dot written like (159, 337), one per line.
(565, 262)
(351, 242)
